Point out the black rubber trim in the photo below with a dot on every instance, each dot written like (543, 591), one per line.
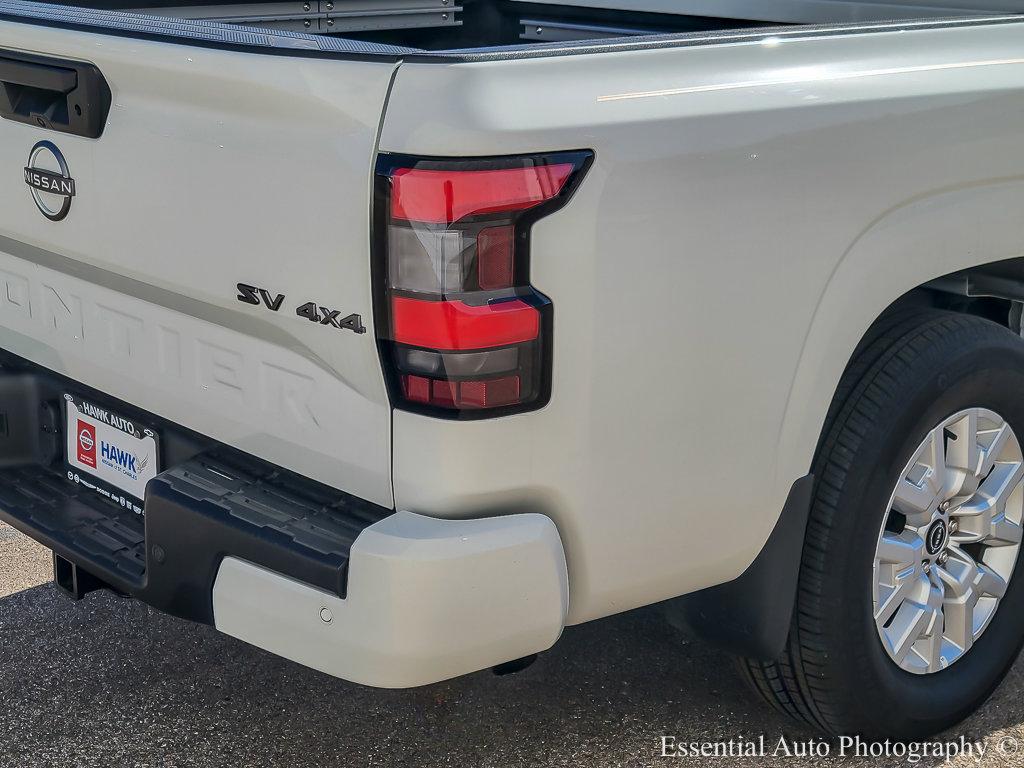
(751, 614)
(257, 40)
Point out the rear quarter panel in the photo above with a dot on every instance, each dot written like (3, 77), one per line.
(752, 208)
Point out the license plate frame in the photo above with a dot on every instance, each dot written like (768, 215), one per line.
(109, 453)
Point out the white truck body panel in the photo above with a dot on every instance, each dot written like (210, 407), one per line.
(699, 343)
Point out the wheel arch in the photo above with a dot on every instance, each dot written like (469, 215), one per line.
(917, 253)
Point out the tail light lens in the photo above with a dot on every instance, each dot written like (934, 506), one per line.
(463, 333)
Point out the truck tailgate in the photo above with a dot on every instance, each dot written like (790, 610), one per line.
(215, 168)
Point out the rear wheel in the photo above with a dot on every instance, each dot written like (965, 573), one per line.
(910, 606)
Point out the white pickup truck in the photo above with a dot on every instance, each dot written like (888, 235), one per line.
(394, 336)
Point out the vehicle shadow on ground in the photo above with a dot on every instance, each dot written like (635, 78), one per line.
(109, 682)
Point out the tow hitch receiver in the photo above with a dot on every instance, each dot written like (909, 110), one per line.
(72, 581)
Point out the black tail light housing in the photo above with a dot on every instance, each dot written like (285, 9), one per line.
(463, 333)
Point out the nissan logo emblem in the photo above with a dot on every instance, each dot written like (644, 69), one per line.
(85, 440)
(936, 537)
(52, 190)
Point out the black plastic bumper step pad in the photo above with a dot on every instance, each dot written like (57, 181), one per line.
(218, 504)
(313, 517)
(75, 522)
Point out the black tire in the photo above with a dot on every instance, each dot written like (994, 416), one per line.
(834, 673)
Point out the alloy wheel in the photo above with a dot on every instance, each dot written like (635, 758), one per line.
(949, 542)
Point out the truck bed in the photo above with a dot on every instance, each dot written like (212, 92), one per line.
(484, 24)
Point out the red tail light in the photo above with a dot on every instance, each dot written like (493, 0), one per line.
(462, 331)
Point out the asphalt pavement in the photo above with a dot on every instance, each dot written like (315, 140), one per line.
(107, 682)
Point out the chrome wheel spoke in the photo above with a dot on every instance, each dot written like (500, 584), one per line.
(999, 438)
(1004, 532)
(948, 546)
(893, 598)
(976, 516)
(932, 655)
(899, 573)
(960, 575)
(963, 453)
(916, 620)
(959, 623)
(920, 490)
(901, 550)
(913, 500)
(990, 583)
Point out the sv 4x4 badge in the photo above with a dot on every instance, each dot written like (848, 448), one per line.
(251, 294)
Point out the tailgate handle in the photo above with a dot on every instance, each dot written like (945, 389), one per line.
(53, 94)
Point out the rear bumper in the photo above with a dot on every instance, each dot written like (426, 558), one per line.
(299, 569)
(427, 600)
